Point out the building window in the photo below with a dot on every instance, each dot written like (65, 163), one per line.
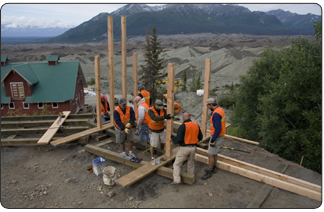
(1, 106)
(26, 105)
(17, 90)
(11, 105)
(40, 105)
(54, 105)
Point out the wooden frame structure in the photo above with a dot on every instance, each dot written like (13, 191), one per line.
(206, 94)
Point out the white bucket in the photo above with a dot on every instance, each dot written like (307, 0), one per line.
(109, 176)
(200, 92)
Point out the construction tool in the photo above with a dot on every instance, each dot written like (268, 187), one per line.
(224, 147)
(61, 116)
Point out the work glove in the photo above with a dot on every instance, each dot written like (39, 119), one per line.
(212, 142)
(128, 125)
(126, 130)
(168, 116)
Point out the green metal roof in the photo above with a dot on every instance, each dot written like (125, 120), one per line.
(4, 99)
(55, 83)
(3, 59)
(25, 71)
(52, 58)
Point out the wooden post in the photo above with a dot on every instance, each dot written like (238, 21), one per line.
(170, 110)
(135, 77)
(98, 93)
(206, 94)
(111, 67)
(123, 61)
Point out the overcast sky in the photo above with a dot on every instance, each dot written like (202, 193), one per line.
(71, 15)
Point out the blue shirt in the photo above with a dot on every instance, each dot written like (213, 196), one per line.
(118, 121)
(217, 123)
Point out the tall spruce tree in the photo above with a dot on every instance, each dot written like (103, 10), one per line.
(184, 82)
(151, 73)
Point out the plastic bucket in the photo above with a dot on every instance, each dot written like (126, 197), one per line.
(109, 176)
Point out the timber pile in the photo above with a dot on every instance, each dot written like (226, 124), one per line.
(27, 130)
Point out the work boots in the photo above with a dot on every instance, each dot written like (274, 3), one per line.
(208, 174)
(215, 169)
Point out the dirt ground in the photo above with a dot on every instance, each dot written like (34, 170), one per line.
(56, 177)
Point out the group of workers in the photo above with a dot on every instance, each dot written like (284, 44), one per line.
(150, 123)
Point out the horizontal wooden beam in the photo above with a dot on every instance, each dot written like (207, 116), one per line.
(45, 117)
(302, 187)
(41, 130)
(22, 141)
(242, 139)
(114, 156)
(80, 134)
(41, 123)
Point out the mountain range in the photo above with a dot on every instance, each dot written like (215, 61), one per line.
(188, 19)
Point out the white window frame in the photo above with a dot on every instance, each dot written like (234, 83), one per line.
(13, 105)
(20, 95)
(53, 104)
(40, 103)
(24, 105)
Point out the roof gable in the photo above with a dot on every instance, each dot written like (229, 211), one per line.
(24, 71)
(52, 58)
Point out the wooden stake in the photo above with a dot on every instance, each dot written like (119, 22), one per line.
(111, 67)
(124, 65)
(135, 78)
(301, 160)
(206, 95)
(98, 93)
(170, 110)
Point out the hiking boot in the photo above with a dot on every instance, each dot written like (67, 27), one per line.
(131, 154)
(215, 169)
(207, 175)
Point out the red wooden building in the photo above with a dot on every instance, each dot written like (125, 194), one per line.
(41, 88)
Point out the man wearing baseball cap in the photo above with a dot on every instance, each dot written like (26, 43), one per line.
(217, 134)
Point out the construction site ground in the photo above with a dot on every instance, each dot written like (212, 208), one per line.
(57, 177)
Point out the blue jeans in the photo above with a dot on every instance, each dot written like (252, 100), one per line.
(105, 117)
(144, 133)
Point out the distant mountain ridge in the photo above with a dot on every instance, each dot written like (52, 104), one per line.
(191, 18)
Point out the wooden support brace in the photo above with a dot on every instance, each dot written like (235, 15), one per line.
(170, 110)
(206, 95)
(135, 78)
(123, 61)
(49, 134)
(98, 92)
(162, 171)
(45, 117)
(111, 67)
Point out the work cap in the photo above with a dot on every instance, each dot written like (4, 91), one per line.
(137, 99)
(103, 97)
(122, 101)
(139, 86)
(159, 103)
(210, 101)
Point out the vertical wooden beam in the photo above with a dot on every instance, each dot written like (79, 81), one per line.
(111, 67)
(135, 77)
(123, 50)
(206, 95)
(98, 93)
(170, 110)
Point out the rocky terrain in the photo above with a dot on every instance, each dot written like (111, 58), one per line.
(56, 177)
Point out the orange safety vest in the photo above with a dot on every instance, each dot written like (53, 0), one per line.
(146, 116)
(177, 107)
(104, 110)
(147, 96)
(124, 118)
(192, 132)
(221, 112)
(157, 125)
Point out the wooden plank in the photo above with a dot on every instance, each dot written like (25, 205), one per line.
(11, 136)
(41, 123)
(258, 169)
(98, 92)
(45, 117)
(206, 95)
(265, 190)
(143, 171)
(49, 134)
(80, 134)
(98, 145)
(170, 110)
(162, 171)
(242, 139)
(111, 67)
(22, 141)
(123, 59)
(40, 130)
(135, 78)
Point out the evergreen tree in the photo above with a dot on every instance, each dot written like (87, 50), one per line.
(193, 84)
(184, 81)
(198, 84)
(151, 73)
